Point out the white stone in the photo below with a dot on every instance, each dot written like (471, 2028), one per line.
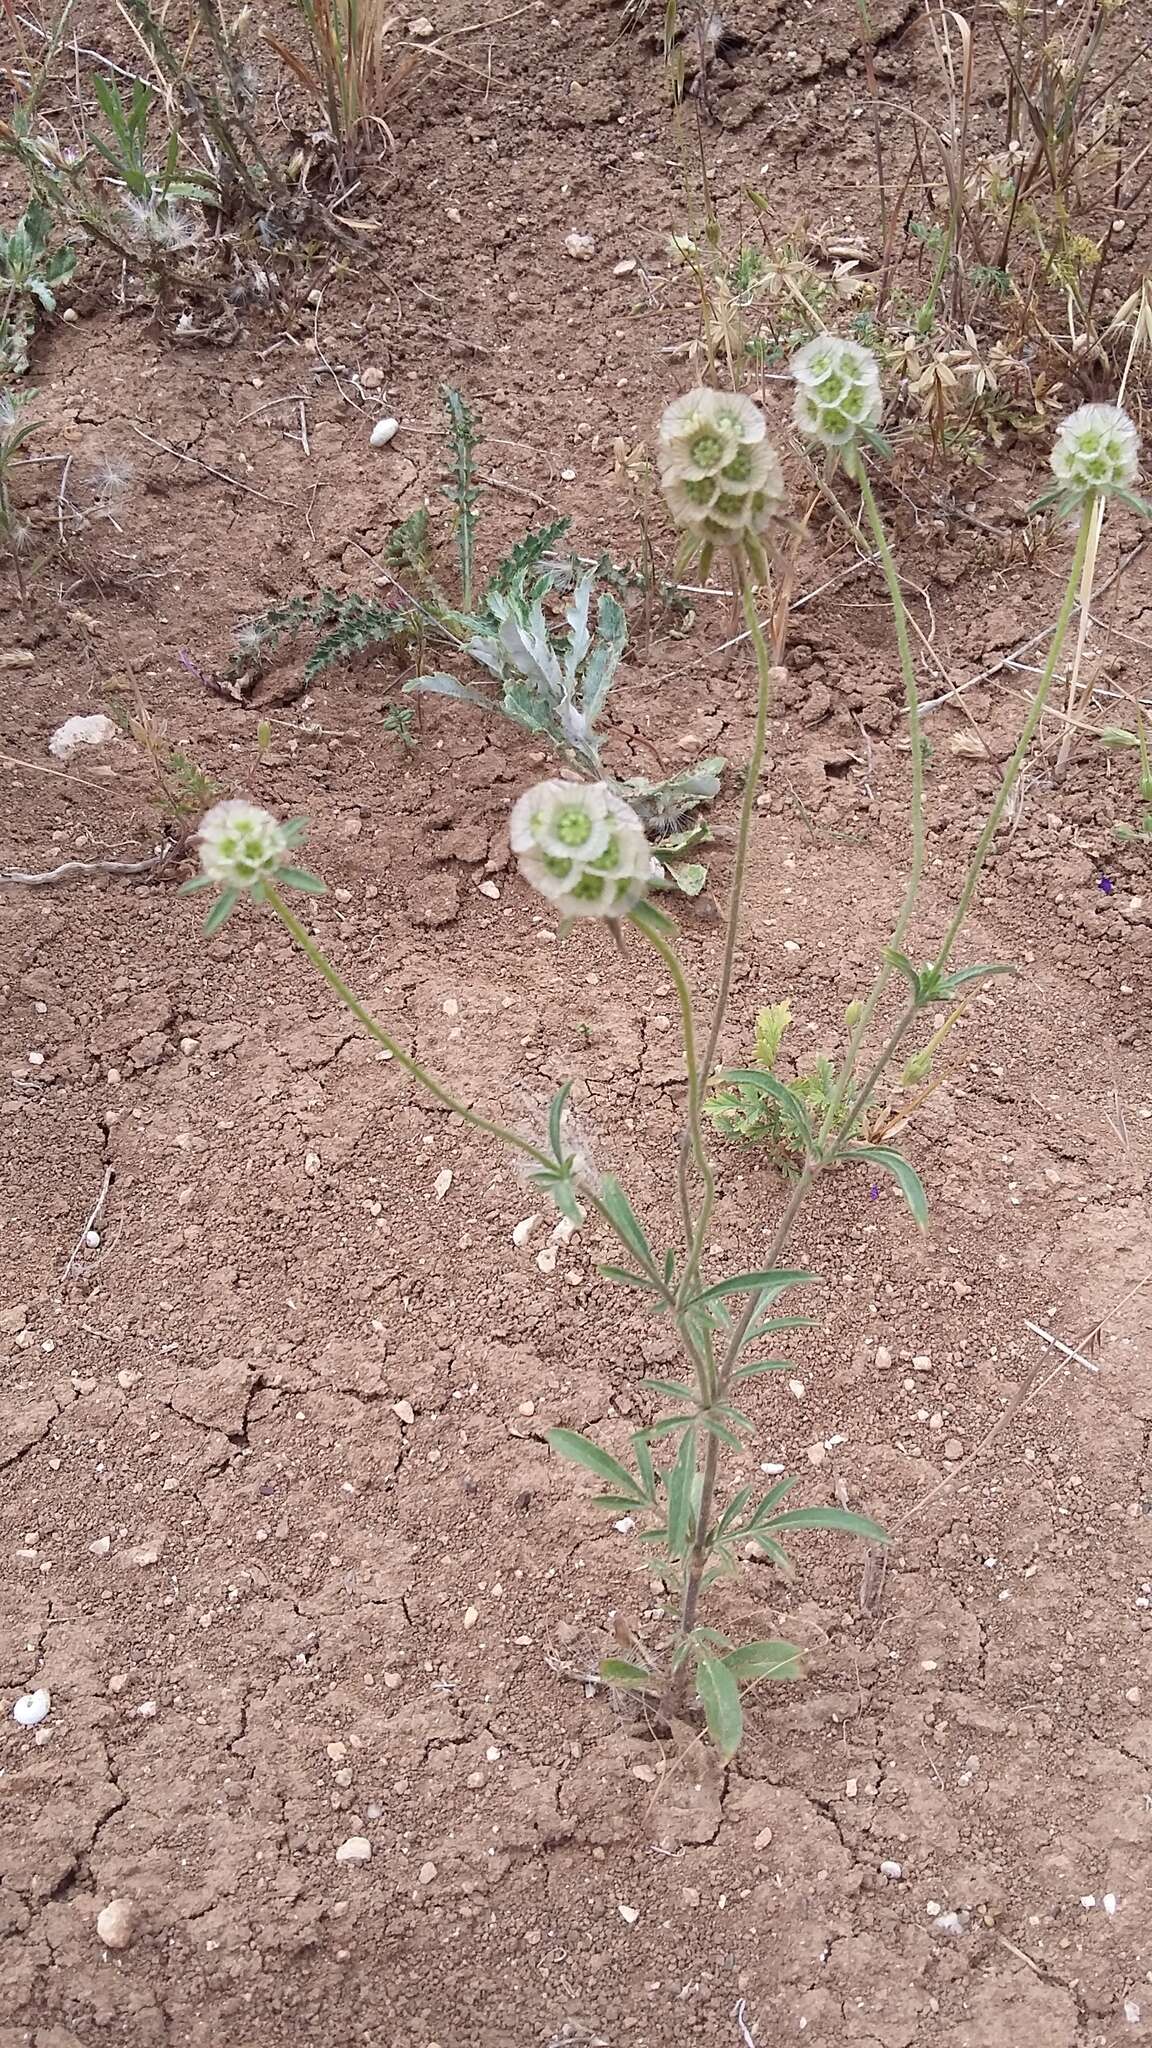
(581, 248)
(32, 1708)
(116, 1923)
(383, 432)
(357, 1849)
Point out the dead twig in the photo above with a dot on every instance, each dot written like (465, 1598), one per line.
(109, 1177)
(70, 870)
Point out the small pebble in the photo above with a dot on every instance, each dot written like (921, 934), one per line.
(404, 1412)
(892, 1870)
(953, 1449)
(581, 248)
(625, 267)
(383, 432)
(101, 1547)
(490, 890)
(32, 1708)
(629, 1913)
(427, 1873)
(546, 1259)
(116, 1923)
(523, 1230)
(442, 1183)
(471, 1616)
(371, 379)
(421, 26)
(357, 1849)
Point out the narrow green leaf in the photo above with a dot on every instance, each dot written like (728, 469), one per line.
(675, 1389)
(720, 1700)
(626, 1279)
(748, 1372)
(903, 965)
(632, 1677)
(679, 1486)
(828, 1518)
(767, 1285)
(669, 1425)
(734, 1510)
(765, 1660)
(556, 1118)
(625, 1221)
(906, 1176)
(644, 1465)
(962, 976)
(770, 1499)
(221, 911)
(568, 1443)
(299, 878)
(712, 1423)
(618, 1503)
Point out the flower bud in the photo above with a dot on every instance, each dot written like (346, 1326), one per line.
(582, 847)
(1096, 452)
(241, 844)
(719, 472)
(838, 390)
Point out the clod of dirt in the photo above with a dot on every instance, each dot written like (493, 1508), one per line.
(216, 1396)
(79, 732)
(116, 1924)
(581, 248)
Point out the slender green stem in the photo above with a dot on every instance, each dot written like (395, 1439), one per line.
(916, 818)
(1027, 734)
(736, 890)
(695, 1147)
(324, 967)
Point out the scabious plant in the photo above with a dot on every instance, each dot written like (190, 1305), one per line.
(1096, 454)
(584, 850)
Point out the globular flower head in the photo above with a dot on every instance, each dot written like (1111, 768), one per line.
(1096, 453)
(719, 472)
(837, 390)
(582, 847)
(245, 851)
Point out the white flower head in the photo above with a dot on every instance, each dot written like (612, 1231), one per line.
(240, 844)
(245, 851)
(1096, 451)
(582, 847)
(719, 472)
(837, 390)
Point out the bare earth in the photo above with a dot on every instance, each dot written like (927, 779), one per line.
(281, 1533)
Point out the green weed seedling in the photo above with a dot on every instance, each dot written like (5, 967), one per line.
(31, 270)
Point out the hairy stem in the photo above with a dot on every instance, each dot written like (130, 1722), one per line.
(435, 1088)
(765, 661)
(1027, 734)
(916, 819)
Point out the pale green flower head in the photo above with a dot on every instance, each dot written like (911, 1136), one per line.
(582, 847)
(245, 851)
(719, 473)
(1096, 453)
(838, 397)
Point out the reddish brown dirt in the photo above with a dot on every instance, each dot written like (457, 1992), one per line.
(280, 1530)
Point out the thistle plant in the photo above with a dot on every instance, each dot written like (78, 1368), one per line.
(584, 850)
